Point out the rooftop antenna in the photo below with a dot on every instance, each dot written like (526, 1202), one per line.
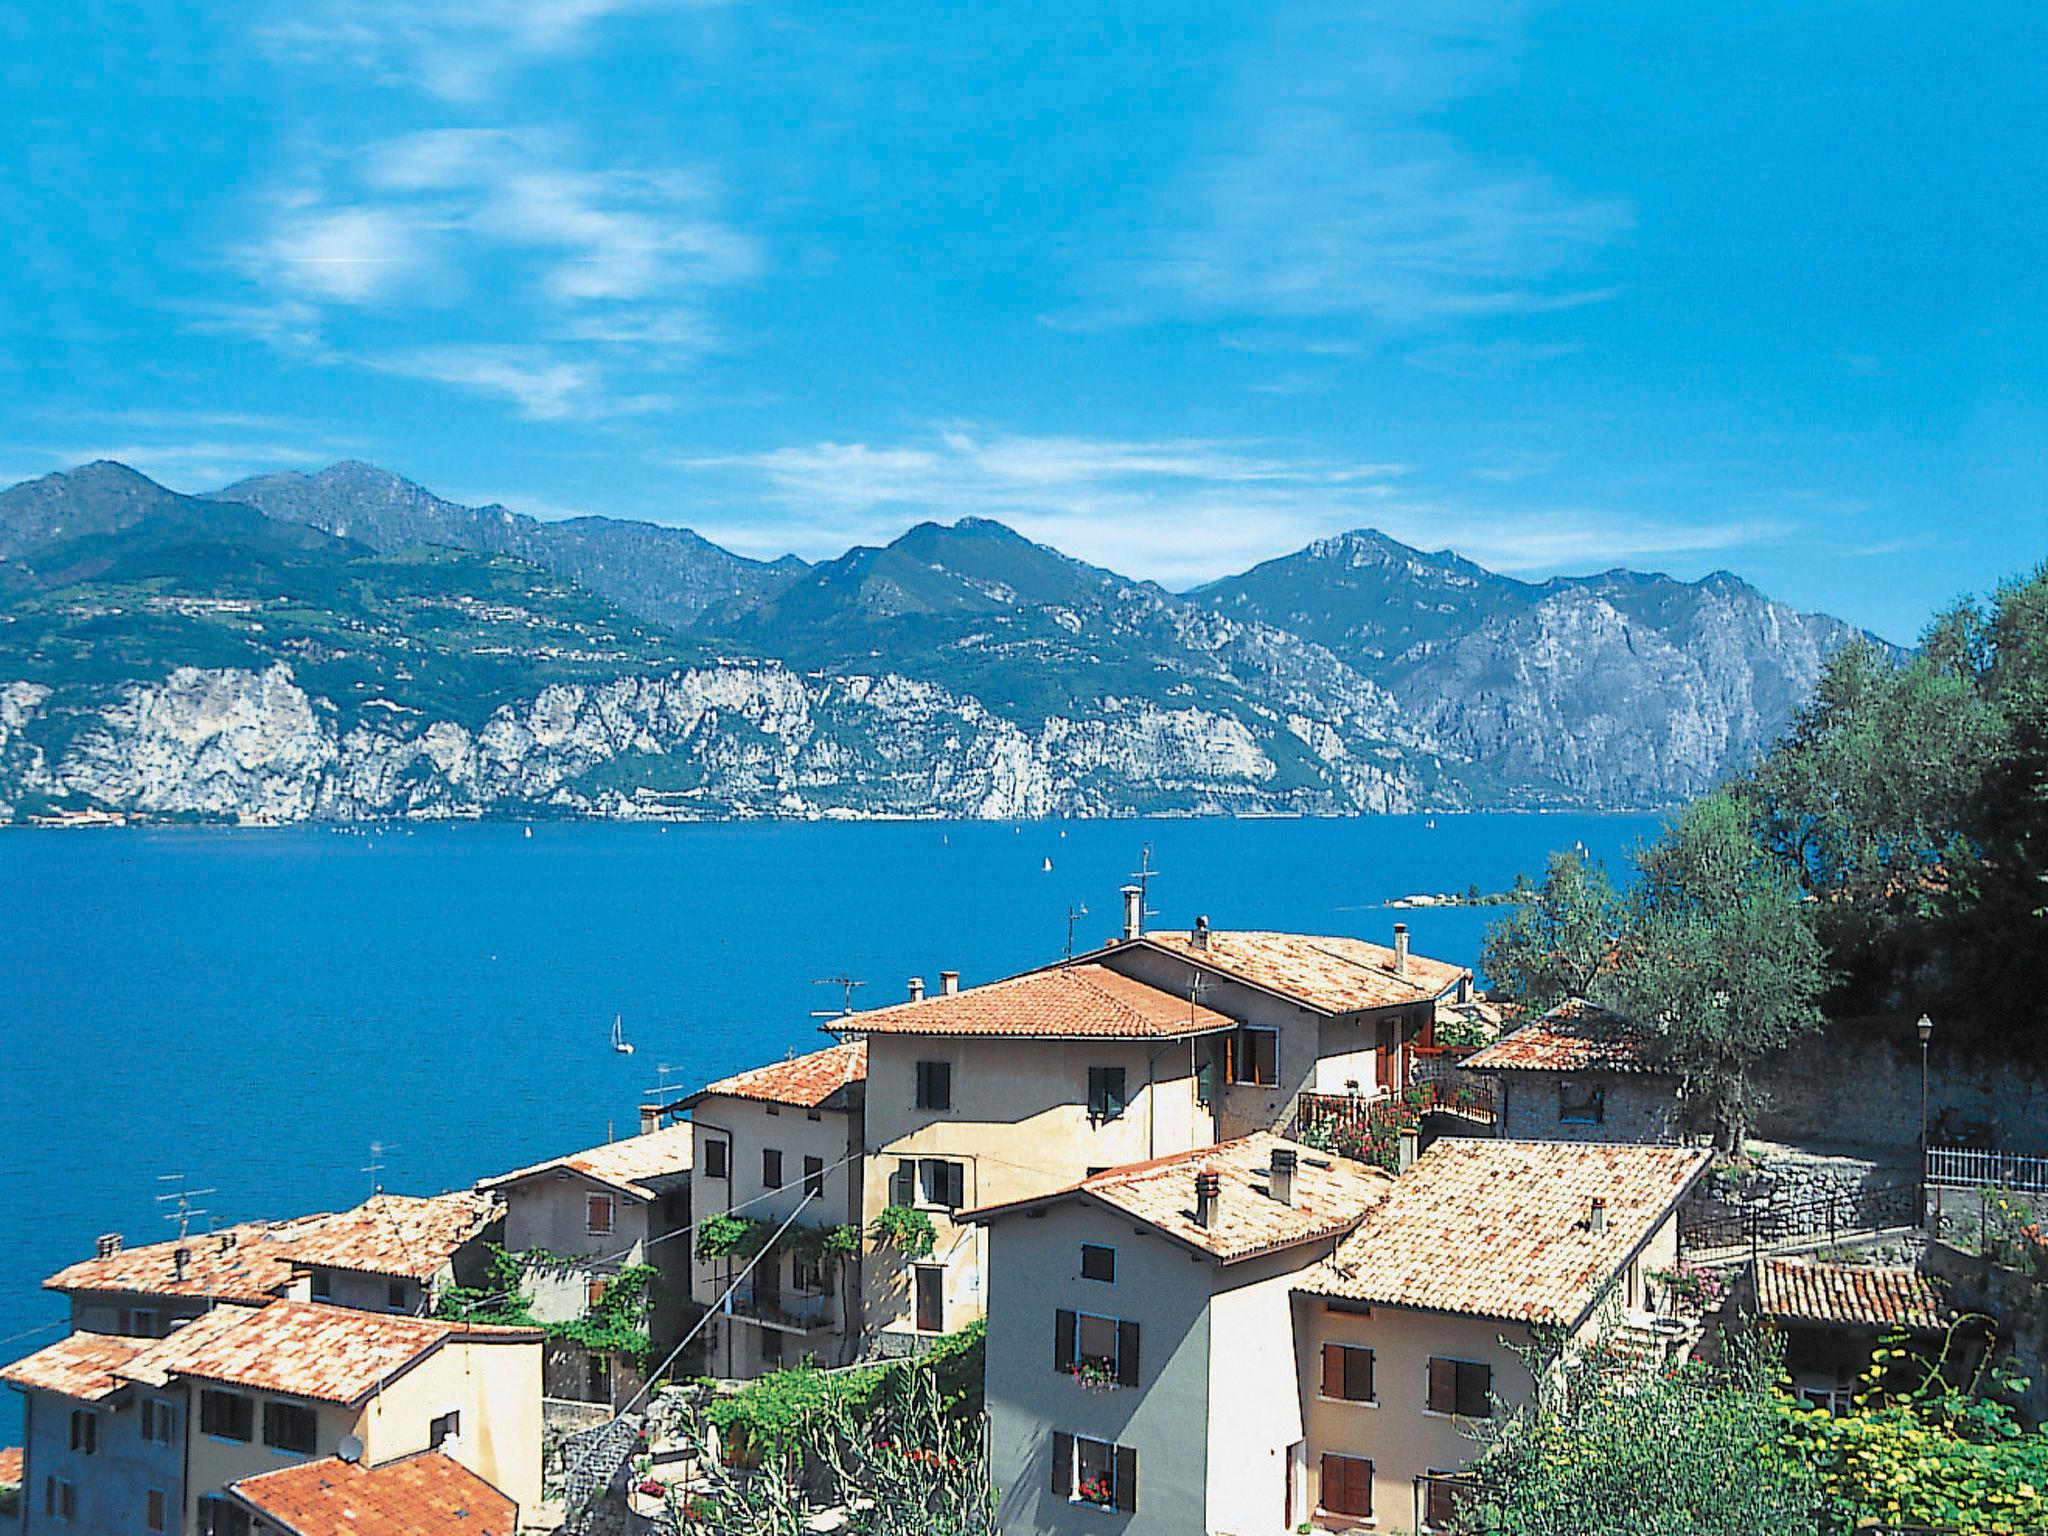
(1143, 875)
(180, 1200)
(846, 984)
(375, 1165)
(660, 1090)
(1197, 985)
(1074, 915)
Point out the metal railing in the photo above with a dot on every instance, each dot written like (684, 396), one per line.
(1970, 1168)
(1762, 1227)
(1359, 1115)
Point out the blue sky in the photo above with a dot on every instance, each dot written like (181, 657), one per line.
(1175, 288)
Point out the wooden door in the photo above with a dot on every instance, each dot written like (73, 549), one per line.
(931, 1299)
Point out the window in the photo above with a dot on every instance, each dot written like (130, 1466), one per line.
(1106, 1093)
(139, 1323)
(929, 1299)
(814, 1176)
(227, 1416)
(156, 1510)
(394, 1295)
(1347, 1373)
(1100, 1350)
(807, 1276)
(944, 1183)
(771, 1346)
(446, 1427)
(1580, 1102)
(773, 1109)
(1252, 1056)
(85, 1431)
(814, 1114)
(715, 1154)
(1443, 1491)
(1347, 1485)
(60, 1498)
(771, 1168)
(598, 1215)
(217, 1517)
(1095, 1472)
(323, 1284)
(159, 1421)
(935, 1085)
(291, 1427)
(1461, 1387)
(1098, 1263)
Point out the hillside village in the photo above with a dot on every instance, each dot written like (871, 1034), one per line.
(1242, 1242)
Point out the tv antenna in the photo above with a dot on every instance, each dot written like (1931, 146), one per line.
(1197, 985)
(375, 1165)
(1143, 875)
(180, 1199)
(660, 1089)
(1074, 915)
(845, 984)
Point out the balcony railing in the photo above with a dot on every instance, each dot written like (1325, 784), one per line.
(1351, 1123)
(786, 1313)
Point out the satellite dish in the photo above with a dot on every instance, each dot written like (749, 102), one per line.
(350, 1449)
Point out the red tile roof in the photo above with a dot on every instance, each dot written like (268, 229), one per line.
(81, 1365)
(643, 1166)
(10, 1466)
(1073, 1002)
(1864, 1295)
(1330, 1195)
(305, 1349)
(245, 1262)
(804, 1081)
(428, 1494)
(1575, 1036)
(1328, 973)
(1501, 1228)
(407, 1235)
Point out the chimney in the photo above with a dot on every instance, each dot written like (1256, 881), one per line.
(650, 1119)
(1411, 1148)
(1465, 988)
(1596, 1217)
(106, 1245)
(227, 1241)
(1201, 933)
(1134, 912)
(181, 1260)
(949, 983)
(1208, 1187)
(1400, 949)
(1282, 1177)
(917, 989)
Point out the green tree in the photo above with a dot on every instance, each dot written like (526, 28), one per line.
(1558, 941)
(1607, 1449)
(1720, 965)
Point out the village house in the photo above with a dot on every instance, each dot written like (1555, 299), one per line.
(576, 1222)
(146, 1435)
(425, 1494)
(1323, 1333)
(1578, 1074)
(775, 1142)
(144, 1292)
(395, 1253)
(1831, 1317)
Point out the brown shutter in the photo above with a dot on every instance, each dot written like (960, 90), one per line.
(1230, 1057)
(1063, 1342)
(1062, 1462)
(1333, 1371)
(1363, 1359)
(1126, 1480)
(1127, 1354)
(1443, 1386)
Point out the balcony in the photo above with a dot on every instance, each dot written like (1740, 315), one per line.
(1368, 1126)
(785, 1313)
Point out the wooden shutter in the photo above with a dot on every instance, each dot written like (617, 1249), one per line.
(1127, 1354)
(1230, 1057)
(1063, 1342)
(1443, 1386)
(1063, 1458)
(1358, 1375)
(1475, 1382)
(904, 1190)
(1126, 1480)
(1333, 1370)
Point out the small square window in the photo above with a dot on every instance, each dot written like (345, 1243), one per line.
(323, 1284)
(599, 1215)
(771, 1168)
(445, 1428)
(935, 1085)
(944, 1182)
(1443, 1492)
(1098, 1263)
(1461, 1387)
(1347, 1373)
(227, 1416)
(715, 1155)
(60, 1498)
(1581, 1103)
(1106, 1100)
(814, 1176)
(291, 1427)
(394, 1296)
(1252, 1056)
(1347, 1486)
(156, 1510)
(85, 1431)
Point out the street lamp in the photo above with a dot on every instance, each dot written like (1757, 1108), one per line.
(1926, 1031)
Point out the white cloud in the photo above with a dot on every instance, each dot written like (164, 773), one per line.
(543, 387)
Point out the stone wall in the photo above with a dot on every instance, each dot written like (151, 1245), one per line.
(1842, 1089)
(2020, 1305)
(1635, 1107)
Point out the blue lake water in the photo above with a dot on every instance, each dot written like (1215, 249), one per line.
(254, 1009)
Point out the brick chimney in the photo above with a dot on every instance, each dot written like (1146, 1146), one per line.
(949, 983)
(1208, 1189)
(1134, 912)
(1400, 949)
(1281, 1180)
(106, 1245)
(917, 989)
(1201, 935)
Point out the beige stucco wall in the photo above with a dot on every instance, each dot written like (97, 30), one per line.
(1019, 1123)
(1255, 1408)
(213, 1463)
(496, 1388)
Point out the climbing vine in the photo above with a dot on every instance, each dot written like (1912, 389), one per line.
(903, 1228)
(721, 1236)
(616, 1322)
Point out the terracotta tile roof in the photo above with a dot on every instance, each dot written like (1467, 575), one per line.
(1500, 1228)
(805, 1081)
(644, 1166)
(10, 1466)
(1330, 974)
(1071, 1002)
(1851, 1294)
(1575, 1036)
(409, 1235)
(245, 1262)
(428, 1494)
(1330, 1194)
(151, 1367)
(81, 1365)
(305, 1349)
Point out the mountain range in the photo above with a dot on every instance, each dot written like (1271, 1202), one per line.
(348, 645)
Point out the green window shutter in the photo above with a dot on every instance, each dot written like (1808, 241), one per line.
(1062, 1461)
(1063, 1342)
(1126, 1480)
(1127, 1354)
(903, 1190)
